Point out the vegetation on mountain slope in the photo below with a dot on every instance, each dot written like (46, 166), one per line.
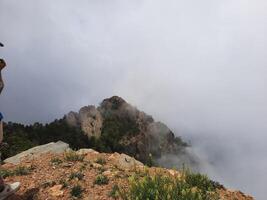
(20, 137)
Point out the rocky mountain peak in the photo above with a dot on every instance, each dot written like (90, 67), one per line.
(114, 102)
(121, 127)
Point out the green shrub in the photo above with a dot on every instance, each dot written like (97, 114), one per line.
(77, 175)
(72, 156)
(160, 187)
(56, 161)
(6, 173)
(150, 161)
(101, 180)
(115, 192)
(64, 183)
(76, 191)
(101, 161)
(200, 181)
(83, 167)
(19, 171)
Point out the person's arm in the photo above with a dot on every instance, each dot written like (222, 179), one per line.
(2, 66)
(1, 83)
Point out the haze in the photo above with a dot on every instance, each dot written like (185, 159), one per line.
(198, 66)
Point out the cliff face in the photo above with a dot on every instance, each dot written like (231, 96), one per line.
(89, 119)
(123, 128)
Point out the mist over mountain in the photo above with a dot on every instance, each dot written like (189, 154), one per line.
(199, 67)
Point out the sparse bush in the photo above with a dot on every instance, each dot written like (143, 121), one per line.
(72, 156)
(115, 192)
(76, 191)
(150, 161)
(64, 183)
(101, 161)
(83, 167)
(101, 170)
(77, 175)
(168, 188)
(6, 173)
(200, 181)
(101, 180)
(19, 171)
(47, 184)
(56, 161)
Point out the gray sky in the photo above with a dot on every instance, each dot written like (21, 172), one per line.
(198, 66)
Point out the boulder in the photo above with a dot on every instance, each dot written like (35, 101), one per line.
(54, 148)
(124, 162)
(56, 191)
(86, 151)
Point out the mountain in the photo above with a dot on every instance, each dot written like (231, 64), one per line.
(121, 152)
(47, 173)
(113, 126)
(117, 126)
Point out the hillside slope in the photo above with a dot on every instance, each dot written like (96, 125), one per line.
(91, 175)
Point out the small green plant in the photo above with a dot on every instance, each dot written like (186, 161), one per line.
(150, 161)
(6, 173)
(101, 161)
(83, 167)
(64, 183)
(72, 156)
(77, 175)
(115, 192)
(101, 170)
(101, 180)
(56, 161)
(47, 184)
(19, 171)
(76, 191)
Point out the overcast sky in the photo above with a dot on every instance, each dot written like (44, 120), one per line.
(198, 66)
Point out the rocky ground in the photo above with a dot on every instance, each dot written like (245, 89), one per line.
(53, 176)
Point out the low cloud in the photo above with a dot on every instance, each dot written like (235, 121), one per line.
(200, 67)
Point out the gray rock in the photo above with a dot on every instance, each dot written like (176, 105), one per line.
(54, 148)
(124, 162)
(89, 120)
(86, 151)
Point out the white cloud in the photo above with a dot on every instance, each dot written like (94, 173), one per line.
(200, 66)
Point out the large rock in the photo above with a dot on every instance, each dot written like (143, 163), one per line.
(72, 119)
(54, 148)
(89, 119)
(124, 162)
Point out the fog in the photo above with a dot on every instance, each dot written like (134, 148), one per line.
(198, 66)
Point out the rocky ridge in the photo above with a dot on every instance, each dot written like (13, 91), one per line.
(54, 176)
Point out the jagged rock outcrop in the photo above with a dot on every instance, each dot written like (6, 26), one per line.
(88, 119)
